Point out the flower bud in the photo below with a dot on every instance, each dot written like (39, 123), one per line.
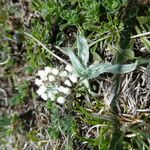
(73, 78)
(63, 74)
(69, 68)
(51, 78)
(38, 82)
(48, 70)
(44, 96)
(42, 75)
(55, 71)
(68, 83)
(41, 90)
(64, 90)
(60, 100)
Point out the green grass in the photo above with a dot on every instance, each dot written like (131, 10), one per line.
(103, 110)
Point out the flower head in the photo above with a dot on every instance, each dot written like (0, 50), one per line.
(73, 78)
(55, 71)
(42, 74)
(68, 83)
(54, 88)
(60, 100)
(64, 90)
(38, 82)
(48, 70)
(69, 68)
(51, 78)
(44, 96)
(41, 90)
(63, 74)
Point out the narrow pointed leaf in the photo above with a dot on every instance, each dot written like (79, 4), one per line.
(83, 50)
(145, 41)
(98, 69)
(76, 63)
(116, 141)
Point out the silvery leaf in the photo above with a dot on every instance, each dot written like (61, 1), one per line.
(79, 69)
(98, 69)
(83, 50)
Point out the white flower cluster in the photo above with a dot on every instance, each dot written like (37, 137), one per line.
(55, 84)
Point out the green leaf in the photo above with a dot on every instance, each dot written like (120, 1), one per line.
(96, 56)
(98, 69)
(79, 69)
(145, 41)
(22, 94)
(54, 133)
(116, 142)
(124, 55)
(143, 19)
(32, 135)
(142, 60)
(5, 121)
(68, 125)
(83, 50)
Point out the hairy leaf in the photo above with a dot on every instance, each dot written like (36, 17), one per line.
(79, 69)
(83, 50)
(98, 69)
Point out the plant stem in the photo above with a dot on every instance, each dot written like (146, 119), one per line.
(41, 44)
(116, 141)
(101, 39)
(6, 61)
(140, 35)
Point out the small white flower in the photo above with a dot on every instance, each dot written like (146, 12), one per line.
(60, 89)
(69, 68)
(64, 90)
(44, 78)
(41, 90)
(48, 69)
(38, 82)
(51, 78)
(51, 96)
(55, 71)
(63, 74)
(67, 82)
(73, 78)
(60, 100)
(44, 96)
(42, 74)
